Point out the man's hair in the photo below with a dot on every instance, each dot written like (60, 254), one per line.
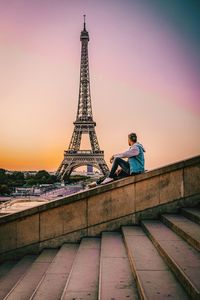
(133, 137)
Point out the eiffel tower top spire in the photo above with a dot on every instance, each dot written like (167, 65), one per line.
(84, 16)
(84, 111)
(84, 32)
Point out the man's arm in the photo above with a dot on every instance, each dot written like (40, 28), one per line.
(133, 151)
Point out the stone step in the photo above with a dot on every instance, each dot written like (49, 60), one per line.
(192, 213)
(26, 286)
(83, 280)
(8, 281)
(53, 282)
(6, 266)
(153, 277)
(116, 280)
(188, 230)
(182, 258)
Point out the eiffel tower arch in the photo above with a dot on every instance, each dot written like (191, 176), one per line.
(84, 124)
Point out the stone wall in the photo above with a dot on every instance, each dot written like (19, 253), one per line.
(88, 213)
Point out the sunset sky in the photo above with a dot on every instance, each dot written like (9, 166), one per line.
(144, 60)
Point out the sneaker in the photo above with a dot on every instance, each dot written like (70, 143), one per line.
(107, 180)
(92, 184)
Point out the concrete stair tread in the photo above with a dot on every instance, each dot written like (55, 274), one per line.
(152, 261)
(53, 283)
(26, 286)
(192, 213)
(116, 280)
(83, 279)
(17, 272)
(154, 278)
(187, 229)
(183, 259)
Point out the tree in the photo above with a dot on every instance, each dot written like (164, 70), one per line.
(3, 176)
(30, 182)
(4, 189)
(16, 179)
(42, 177)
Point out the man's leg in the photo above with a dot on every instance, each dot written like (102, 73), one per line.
(121, 174)
(119, 162)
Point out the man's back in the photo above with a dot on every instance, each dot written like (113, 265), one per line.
(137, 162)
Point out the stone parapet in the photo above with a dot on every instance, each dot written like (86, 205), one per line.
(107, 207)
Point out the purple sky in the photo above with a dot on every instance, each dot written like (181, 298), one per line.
(144, 70)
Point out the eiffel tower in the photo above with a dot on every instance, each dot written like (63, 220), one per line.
(84, 124)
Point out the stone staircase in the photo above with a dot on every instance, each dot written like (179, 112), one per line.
(158, 259)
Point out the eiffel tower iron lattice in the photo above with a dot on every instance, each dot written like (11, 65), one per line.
(84, 124)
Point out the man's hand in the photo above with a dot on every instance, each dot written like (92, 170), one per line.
(111, 159)
(118, 171)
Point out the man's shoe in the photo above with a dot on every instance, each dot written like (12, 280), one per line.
(92, 184)
(107, 180)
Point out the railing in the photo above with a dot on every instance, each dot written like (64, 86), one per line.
(89, 152)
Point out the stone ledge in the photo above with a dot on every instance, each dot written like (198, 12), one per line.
(101, 189)
(94, 210)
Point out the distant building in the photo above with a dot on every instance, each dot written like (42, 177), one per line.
(20, 191)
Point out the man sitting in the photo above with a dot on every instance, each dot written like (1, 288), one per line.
(134, 165)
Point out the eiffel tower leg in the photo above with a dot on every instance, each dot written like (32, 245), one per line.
(65, 174)
(61, 170)
(75, 140)
(104, 168)
(94, 141)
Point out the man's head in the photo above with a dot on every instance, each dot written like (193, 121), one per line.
(132, 138)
